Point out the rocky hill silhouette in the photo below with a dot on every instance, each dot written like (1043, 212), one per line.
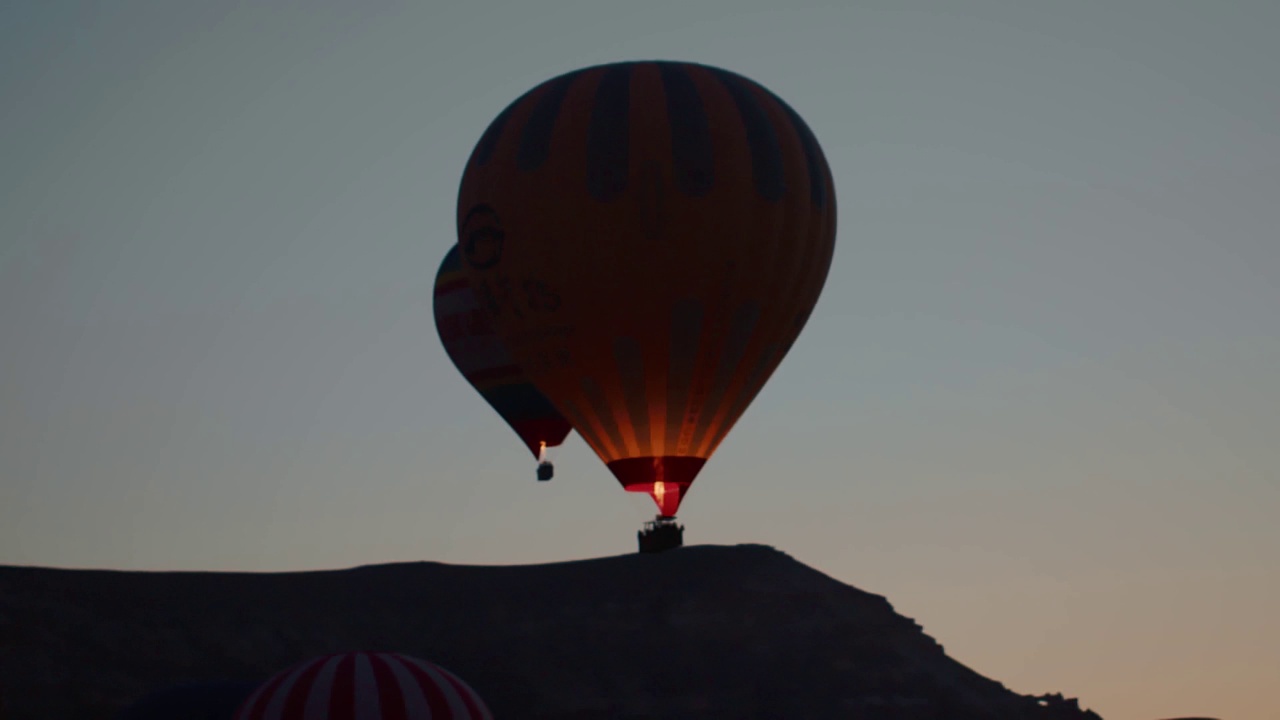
(707, 632)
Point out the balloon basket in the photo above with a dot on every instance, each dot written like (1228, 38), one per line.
(660, 534)
(546, 471)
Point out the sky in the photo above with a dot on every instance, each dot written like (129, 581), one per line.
(1037, 405)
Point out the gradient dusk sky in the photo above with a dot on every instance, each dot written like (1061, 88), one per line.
(1037, 406)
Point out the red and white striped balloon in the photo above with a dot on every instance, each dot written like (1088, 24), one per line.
(364, 686)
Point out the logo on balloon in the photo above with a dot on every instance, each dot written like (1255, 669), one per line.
(540, 297)
(482, 237)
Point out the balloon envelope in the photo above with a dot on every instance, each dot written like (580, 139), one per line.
(210, 700)
(369, 686)
(467, 334)
(651, 238)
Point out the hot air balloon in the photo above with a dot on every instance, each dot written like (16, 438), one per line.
(468, 338)
(650, 238)
(205, 700)
(368, 685)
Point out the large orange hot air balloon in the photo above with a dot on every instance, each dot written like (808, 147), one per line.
(650, 238)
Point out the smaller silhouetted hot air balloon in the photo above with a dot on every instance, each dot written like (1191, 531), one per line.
(468, 338)
(366, 685)
(207, 700)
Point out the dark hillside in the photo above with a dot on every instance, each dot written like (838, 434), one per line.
(701, 632)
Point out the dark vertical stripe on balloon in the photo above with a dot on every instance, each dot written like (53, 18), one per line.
(744, 323)
(391, 701)
(651, 207)
(342, 698)
(604, 415)
(437, 703)
(608, 135)
(766, 154)
(626, 351)
(690, 131)
(812, 155)
(489, 141)
(686, 328)
(535, 141)
(296, 701)
(414, 699)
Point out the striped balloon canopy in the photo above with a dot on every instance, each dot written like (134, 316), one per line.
(364, 686)
(651, 237)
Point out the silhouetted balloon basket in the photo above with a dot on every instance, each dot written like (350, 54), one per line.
(546, 471)
(660, 534)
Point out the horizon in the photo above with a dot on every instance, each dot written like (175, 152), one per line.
(422, 561)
